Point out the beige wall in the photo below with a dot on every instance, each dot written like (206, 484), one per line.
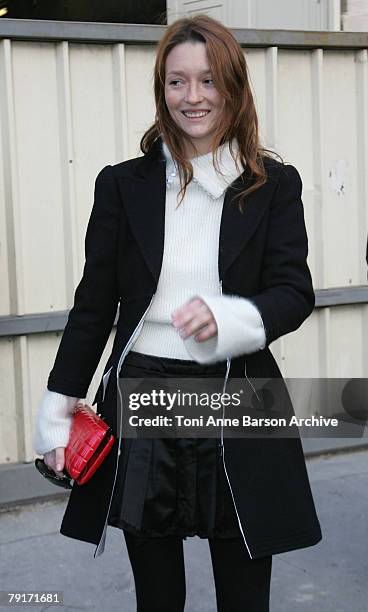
(355, 18)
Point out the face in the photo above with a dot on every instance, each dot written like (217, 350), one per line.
(191, 97)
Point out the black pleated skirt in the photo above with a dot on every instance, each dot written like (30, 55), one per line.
(172, 486)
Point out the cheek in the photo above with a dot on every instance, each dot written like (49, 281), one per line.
(218, 102)
(171, 101)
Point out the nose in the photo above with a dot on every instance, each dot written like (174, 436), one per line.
(193, 94)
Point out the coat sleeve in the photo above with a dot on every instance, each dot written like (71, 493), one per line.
(96, 297)
(286, 296)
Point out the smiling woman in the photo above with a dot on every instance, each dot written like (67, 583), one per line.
(204, 236)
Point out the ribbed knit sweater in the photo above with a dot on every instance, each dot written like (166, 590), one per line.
(189, 268)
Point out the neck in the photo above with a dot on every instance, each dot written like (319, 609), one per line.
(196, 149)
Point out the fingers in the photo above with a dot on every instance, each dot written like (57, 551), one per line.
(59, 452)
(49, 459)
(195, 317)
(209, 331)
(55, 459)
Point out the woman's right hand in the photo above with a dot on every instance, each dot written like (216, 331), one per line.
(55, 460)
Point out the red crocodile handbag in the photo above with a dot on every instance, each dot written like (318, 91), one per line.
(90, 441)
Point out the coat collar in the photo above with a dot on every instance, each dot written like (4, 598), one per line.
(143, 189)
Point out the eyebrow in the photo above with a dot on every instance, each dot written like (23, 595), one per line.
(182, 73)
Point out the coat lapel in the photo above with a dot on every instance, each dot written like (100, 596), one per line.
(144, 193)
(144, 196)
(237, 228)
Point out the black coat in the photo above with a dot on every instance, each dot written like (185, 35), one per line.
(262, 256)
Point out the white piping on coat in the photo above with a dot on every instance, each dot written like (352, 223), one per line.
(228, 360)
(105, 380)
(101, 545)
(246, 376)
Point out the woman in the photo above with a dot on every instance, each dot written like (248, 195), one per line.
(202, 243)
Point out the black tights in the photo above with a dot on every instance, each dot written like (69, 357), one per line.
(242, 584)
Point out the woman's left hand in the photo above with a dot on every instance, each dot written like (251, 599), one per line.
(192, 317)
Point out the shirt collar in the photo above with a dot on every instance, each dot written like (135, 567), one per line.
(204, 171)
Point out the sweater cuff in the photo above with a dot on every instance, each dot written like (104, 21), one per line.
(240, 330)
(53, 421)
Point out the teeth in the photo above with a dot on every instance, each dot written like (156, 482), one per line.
(198, 114)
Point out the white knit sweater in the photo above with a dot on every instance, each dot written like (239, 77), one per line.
(189, 268)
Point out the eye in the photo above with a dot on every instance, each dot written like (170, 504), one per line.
(174, 81)
(209, 80)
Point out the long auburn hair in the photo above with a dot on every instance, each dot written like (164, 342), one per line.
(230, 75)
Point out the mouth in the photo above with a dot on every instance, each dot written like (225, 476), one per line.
(193, 115)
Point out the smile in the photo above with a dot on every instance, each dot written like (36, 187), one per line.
(195, 114)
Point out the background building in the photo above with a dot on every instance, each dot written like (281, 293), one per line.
(333, 15)
(77, 96)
